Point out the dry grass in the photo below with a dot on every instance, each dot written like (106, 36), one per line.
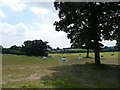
(35, 72)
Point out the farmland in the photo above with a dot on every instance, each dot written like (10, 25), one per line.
(19, 71)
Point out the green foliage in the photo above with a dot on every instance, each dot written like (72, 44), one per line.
(118, 45)
(86, 22)
(35, 48)
(30, 48)
(78, 20)
(13, 50)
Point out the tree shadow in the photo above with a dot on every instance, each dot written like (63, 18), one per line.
(83, 76)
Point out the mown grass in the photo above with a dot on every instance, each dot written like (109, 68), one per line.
(35, 72)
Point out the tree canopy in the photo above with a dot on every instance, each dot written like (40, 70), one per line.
(89, 22)
(35, 48)
(13, 50)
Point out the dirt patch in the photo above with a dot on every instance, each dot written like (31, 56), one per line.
(35, 76)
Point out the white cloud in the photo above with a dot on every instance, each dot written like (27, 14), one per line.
(2, 15)
(17, 34)
(41, 0)
(38, 10)
(40, 29)
(15, 5)
(8, 30)
(108, 42)
(12, 34)
(46, 32)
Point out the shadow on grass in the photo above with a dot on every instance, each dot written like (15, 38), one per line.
(83, 76)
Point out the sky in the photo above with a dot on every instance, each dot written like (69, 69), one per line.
(22, 20)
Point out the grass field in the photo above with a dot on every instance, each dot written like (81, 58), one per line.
(36, 72)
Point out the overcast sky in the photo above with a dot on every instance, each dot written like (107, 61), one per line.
(22, 20)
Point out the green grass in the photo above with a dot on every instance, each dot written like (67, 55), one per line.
(35, 72)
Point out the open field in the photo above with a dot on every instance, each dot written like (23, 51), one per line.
(36, 72)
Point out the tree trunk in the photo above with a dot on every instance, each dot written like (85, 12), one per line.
(96, 35)
(87, 53)
(97, 52)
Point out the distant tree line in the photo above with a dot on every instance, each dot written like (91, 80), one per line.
(84, 50)
(67, 50)
(29, 48)
(40, 48)
(110, 49)
(13, 50)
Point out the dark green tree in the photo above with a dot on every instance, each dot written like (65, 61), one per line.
(117, 46)
(35, 48)
(13, 50)
(77, 42)
(87, 46)
(14, 47)
(88, 21)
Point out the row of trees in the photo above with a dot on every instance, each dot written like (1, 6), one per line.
(13, 50)
(89, 22)
(30, 48)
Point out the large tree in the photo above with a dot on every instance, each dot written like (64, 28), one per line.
(35, 48)
(86, 45)
(88, 22)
